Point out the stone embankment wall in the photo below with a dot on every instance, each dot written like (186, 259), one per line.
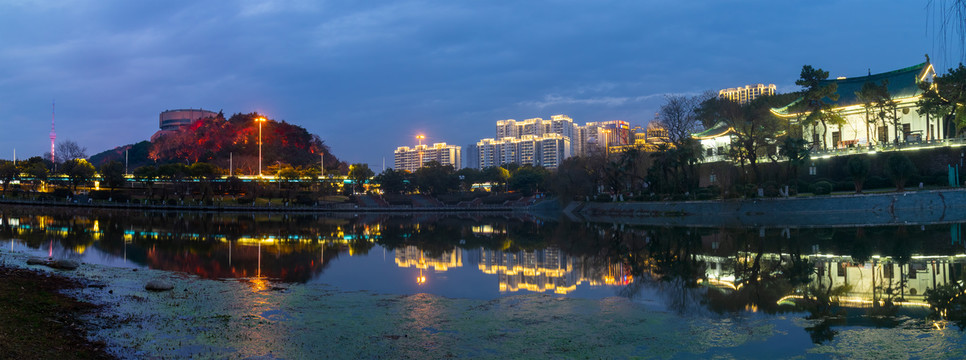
(934, 206)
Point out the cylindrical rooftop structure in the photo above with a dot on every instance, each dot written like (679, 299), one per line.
(173, 119)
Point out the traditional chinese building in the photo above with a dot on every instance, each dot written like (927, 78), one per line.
(903, 87)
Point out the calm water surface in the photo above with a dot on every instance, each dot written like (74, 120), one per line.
(833, 278)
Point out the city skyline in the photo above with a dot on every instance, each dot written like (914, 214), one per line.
(368, 78)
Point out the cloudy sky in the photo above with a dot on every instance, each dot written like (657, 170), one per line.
(367, 76)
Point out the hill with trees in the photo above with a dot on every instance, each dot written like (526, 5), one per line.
(229, 143)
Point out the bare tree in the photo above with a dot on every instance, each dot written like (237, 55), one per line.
(69, 150)
(678, 117)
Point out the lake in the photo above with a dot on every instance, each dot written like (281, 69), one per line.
(537, 286)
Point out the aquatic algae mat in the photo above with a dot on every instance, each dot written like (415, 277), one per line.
(254, 318)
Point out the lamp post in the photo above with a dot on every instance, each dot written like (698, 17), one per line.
(419, 139)
(260, 120)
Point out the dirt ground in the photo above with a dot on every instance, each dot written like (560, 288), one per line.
(38, 322)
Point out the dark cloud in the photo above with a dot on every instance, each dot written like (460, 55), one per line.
(368, 76)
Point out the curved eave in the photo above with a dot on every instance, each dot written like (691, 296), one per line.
(712, 136)
(847, 109)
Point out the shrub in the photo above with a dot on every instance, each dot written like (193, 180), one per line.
(821, 187)
(704, 194)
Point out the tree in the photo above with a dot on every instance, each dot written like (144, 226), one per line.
(468, 177)
(795, 150)
(435, 179)
(70, 150)
(78, 171)
(755, 128)
(528, 180)
(633, 163)
(662, 171)
(392, 181)
(887, 110)
(112, 172)
(36, 170)
(359, 174)
(573, 179)
(858, 168)
(679, 118)
(496, 175)
(8, 172)
(945, 98)
(951, 23)
(899, 168)
(869, 95)
(146, 175)
(814, 93)
(206, 173)
(174, 174)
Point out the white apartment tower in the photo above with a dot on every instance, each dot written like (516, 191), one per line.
(747, 93)
(410, 159)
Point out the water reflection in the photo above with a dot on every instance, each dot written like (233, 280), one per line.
(873, 276)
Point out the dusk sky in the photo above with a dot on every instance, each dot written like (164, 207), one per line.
(367, 76)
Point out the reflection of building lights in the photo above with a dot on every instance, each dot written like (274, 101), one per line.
(411, 256)
(421, 279)
(855, 301)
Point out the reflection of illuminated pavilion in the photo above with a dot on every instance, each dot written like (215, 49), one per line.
(548, 270)
(864, 281)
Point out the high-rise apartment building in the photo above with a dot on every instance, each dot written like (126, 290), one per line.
(597, 136)
(547, 150)
(747, 93)
(410, 159)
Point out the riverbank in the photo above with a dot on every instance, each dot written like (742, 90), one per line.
(915, 207)
(39, 322)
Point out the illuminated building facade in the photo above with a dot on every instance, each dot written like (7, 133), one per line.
(903, 86)
(599, 136)
(410, 159)
(647, 139)
(747, 93)
(558, 124)
(547, 150)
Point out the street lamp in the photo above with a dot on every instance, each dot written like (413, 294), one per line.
(260, 120)
(419, 138)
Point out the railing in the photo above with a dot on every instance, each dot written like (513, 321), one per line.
(904, 146)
